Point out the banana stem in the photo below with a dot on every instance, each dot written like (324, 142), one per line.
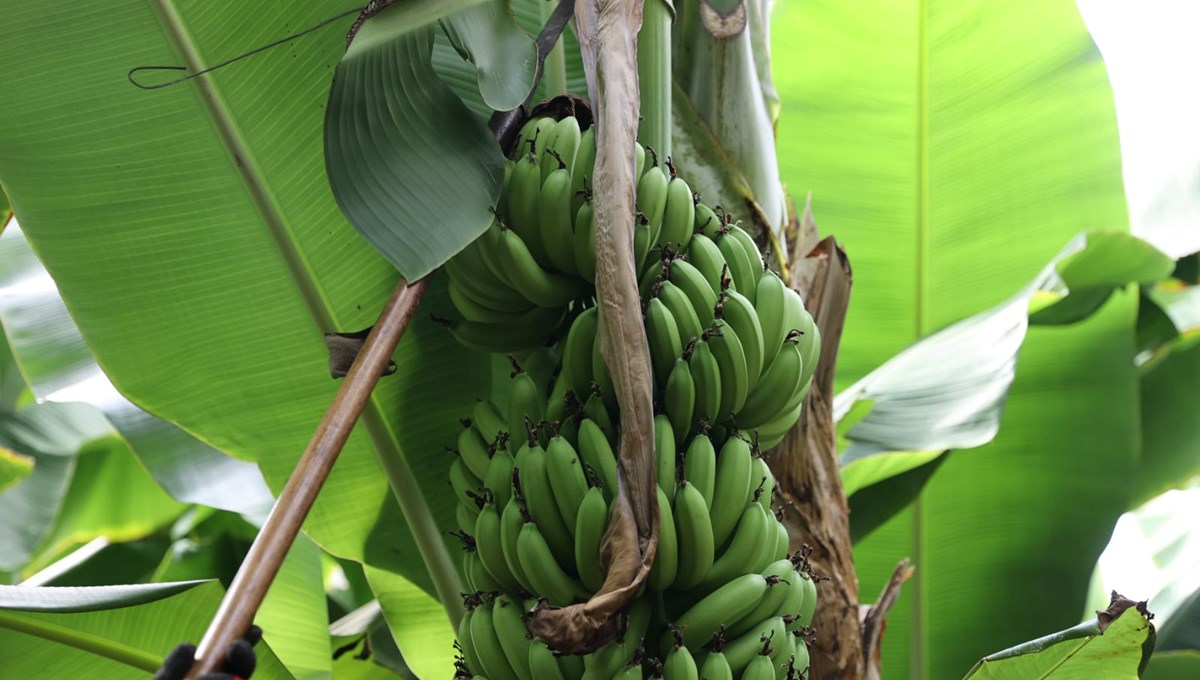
(654, 77)
(262, 563)
(554, 74)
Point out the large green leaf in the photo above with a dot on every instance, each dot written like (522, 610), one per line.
(1089, 651)
(59, 367)
(13, 468)
(112, 632)
(294, 616)
(1170, 431)
(1173, 666)
(954, 147)
(194, 239)
(413, 169)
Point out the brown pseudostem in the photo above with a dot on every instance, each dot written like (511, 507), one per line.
(607, 32)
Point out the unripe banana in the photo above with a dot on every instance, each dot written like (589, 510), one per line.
(490, 548)
(529, 278)
(533, 136)
(521, 209)
(742, 651)
(707, 222)
(473, 310)
(665, 455)
(637, 621)
(596, 409)
(602, 377)
(642, 240)
(772, 432)
(465, 516)
(531, 329)
(731, 360)
(704, 255)
(543, 570)
(680, 306)
(801, 661)
(477, 576)
(542, 662)
(782, 540)
(474, 452)
(488, 246)
(700, 466)
(470, 274)
(732, 489)
(777, 389)
(679, 398)
(464, 638)
(571, 666)
(639, 161)
(556, 405)
(743, 551)
(567, 479)
(597, 453)
(585, 241)
(577, 353)
(749, 246)
(808, 606)
(581, 170)
(744, 273)
(695, 286)
(760, 668)
(762, 480)
(514, 640)
(486, 418)
(605, 663)
(680, 665)
(715, 667)
(543, 510)
(706, 374)
(781, 589)
(590, 525)
(511, 521)
(525, 406)
(740, 314)
(693, 530)
(487, 645)
(652, 199)
(726, 604)
(769, 304)
(662, 334)
(556, 222)
(666, 560)
(466, 485)
(810, 350)
(679, 218)
(564, 141)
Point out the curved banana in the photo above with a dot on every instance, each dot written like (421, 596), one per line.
(760, 668)
(679, 398)
(762, 481)
(486, 418)
(781, 588)
(666, 560)
(465, 516)
(556, 222)
(487, 645)
(491, 549)
(679, 217)
(590, 525)
(465, 484)
(652, 199)
(776, 389)
(680, 306)
(511, 521)
(522, 207)
(527, 275)
(525, 407)
(808, 606)
(531, 329)
(577, 353)
(769, 304)
(715, 667)
(543, 510)
(731, 360)
(705, 256)
(696, 287)
(581, 169)
(474, 452)
(542, 662)
(567, 480)
(740, 557)
(700, 466)
(736, 310)
(732, 489)
(564, 141)
(662, 335)
(510, 630)
(597, 453)
(707, 222)
(748, 245)
(680, 664)
(585, 241)
(464, 637)
(665, 455)
(706, 374)
(723, 606)
(742, 650)
(694, 533)
(744, 274)
(602, 377)
(543, 570)
(596, 410)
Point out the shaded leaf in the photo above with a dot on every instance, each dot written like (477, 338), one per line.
(411, 167)
(1170, 431)
(874, 505)
(13, 468)
(504, 55)
(1093, 649)
(418, 624)
(1173, 666)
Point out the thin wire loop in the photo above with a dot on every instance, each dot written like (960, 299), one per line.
(227, 62)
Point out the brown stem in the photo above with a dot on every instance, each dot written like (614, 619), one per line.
(607, 32)
(875, 620)
(250, 586)
(806, 463)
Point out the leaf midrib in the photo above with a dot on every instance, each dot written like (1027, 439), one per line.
(87, 642)
(401, 478)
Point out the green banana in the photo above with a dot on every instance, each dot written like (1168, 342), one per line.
(662, 335)
(596, 409)
(479, 579)
(760, 668)
(487, 645)
(679, 398)
(605, 663)
(597, 453)
(465, 516)
(740, 314)
(652, 199)
(511, 521)
(543, 510)
(474, 452)
(700, 466)
(464, 635)
(486, 417)
(715, 667)
(522, 207)
(556, 405)
(665, 455)
(491, 549)
(527, 275)
(694, 284)
(467, 271)
(769, 304)
(800, 661)
(777, 389)
(679, 218)
(642, 240)
(781, 588)
(726, 604)
(707, 258)
(762, 480)
(773, 431)
(567, 479)
(680, 306)
(581, 169)
(707, 222)
(590, 525)
(731, 360)
(542, 662)
(464, 483)
(810, 349)
(639, 160)
(532, 136)
(531, 329)
(732, 489)
(602, 377)
(782, 540)
(680, 665)
(556, 221)
(706, 374)
(742, 650)
(473, 310)
(744, 273)
(571, 666)
(743, 551)
(514, 640)
(577, 353)
(488, 247)
(564, 141)
(543, 570)
(748, 245)
(525, 407)
(666, 560)
(694, 533)
(808, 606)
(585, 241)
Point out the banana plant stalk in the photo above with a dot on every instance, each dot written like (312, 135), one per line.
(262, 563)
(654, 76)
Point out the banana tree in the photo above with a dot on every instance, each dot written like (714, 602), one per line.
(196, 241)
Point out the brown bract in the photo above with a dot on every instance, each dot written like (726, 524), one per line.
(607, 31)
